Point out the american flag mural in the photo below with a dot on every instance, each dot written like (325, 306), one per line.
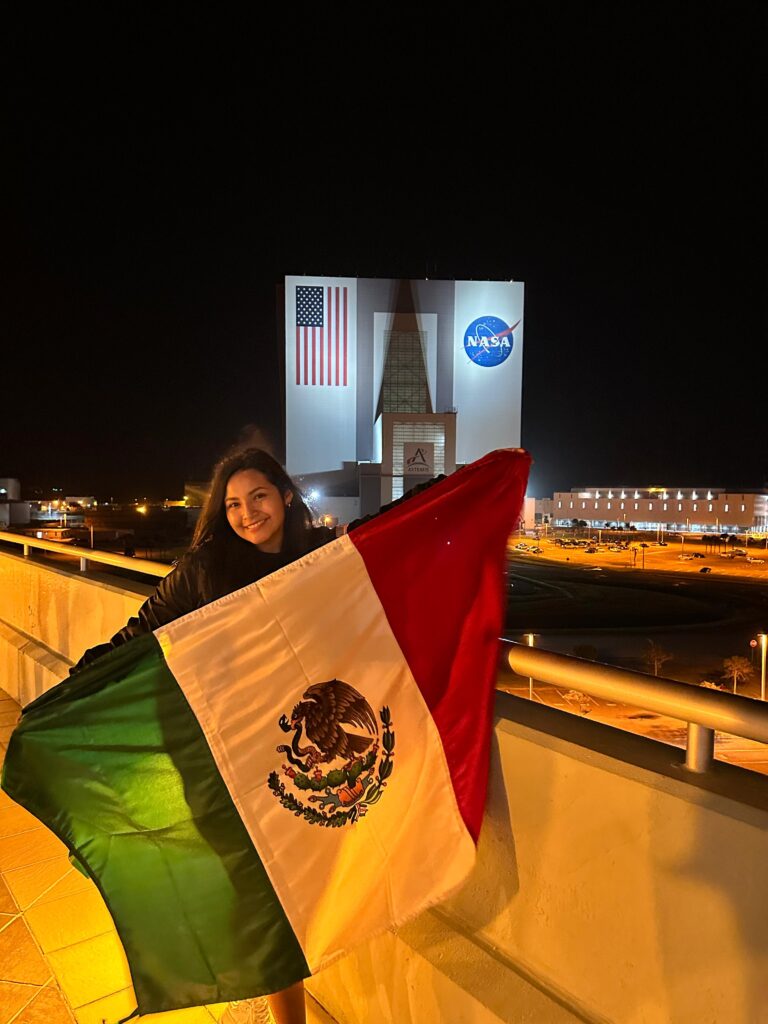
(322, 318)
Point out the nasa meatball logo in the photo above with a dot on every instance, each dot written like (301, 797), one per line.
(488, 340)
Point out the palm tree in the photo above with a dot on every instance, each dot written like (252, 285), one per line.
(737, 669)
(656, 656)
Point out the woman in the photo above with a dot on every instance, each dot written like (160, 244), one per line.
(253, 523)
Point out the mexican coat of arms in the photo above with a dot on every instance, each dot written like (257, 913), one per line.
(339, 758)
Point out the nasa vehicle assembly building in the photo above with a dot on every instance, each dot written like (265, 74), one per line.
(388, 380)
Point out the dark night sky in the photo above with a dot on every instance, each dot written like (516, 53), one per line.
(162, 173)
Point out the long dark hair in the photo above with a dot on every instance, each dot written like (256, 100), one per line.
(212, 524)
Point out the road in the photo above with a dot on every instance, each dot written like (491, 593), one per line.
(573, 602)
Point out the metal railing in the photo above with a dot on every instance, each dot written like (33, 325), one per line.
(86, 555)
(705, 711)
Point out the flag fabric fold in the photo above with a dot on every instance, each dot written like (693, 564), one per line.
(266, 782)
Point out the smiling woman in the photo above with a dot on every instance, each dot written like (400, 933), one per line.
(254, 522)
(256, 509)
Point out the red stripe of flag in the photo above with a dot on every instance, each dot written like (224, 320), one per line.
(298, 354)
(306, 355)
(337, 337)
(432, 605)
(345, 337)
(321, 355)
(313, 356)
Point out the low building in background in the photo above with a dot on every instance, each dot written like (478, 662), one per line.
(681, 509)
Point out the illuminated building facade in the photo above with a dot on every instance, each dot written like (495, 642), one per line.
(695, 509)
(375, 365)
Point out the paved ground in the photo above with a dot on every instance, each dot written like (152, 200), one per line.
(61, 961)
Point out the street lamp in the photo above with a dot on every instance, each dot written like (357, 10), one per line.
(763, 638)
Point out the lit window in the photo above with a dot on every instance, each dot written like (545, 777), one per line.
(709, 497)
(583, 504)
(710, 506)
(665, 506)
(726, 506)
(679, 494)
(609, 504)
(743, 508)
(695, 507)
(694, 495)
(636, 506)
(597, 503)
(571, 505)
(679, 506)
(650, 506)
(622, 505)
(559, 504)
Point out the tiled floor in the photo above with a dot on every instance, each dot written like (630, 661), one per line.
(61, 961)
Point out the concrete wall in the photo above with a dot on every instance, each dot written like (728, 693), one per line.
(48, 617)
(605, 890)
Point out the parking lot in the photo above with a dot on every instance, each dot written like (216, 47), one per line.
(688, 555)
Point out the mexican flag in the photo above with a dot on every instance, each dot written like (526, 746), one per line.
(270, 780)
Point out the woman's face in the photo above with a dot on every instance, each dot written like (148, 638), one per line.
(255, 509)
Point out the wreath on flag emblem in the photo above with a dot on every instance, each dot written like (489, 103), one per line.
(344, 767)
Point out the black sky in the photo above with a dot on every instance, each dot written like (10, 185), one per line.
(163, 171)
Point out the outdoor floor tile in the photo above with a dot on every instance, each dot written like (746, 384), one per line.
(20, 959)
(15, 819)
(14, 997)
(46, 1008)
(69, 920)
(39, 883)
(5, 801)
(5, 920)
(110, 1009)
(91, 969)
(192, 1015)
(28, 848)
(7, 902)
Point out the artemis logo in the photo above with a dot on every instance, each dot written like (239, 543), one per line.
(488, 340)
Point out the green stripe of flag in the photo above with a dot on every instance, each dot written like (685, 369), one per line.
(148, 815)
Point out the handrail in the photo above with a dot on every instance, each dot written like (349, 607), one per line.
(703, 709)
(86, 555)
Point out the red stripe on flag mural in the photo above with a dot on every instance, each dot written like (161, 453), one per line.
(330, 331)
(298, 354)
(322, 342)
(306, 354)
(445, 603)
(337, 336)
(313, 356)
(345, 337)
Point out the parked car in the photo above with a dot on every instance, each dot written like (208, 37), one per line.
(751, 559)
(697, 554)
(686, 558)
(705, 568)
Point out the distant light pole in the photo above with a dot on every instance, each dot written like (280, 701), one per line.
(763, 638)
